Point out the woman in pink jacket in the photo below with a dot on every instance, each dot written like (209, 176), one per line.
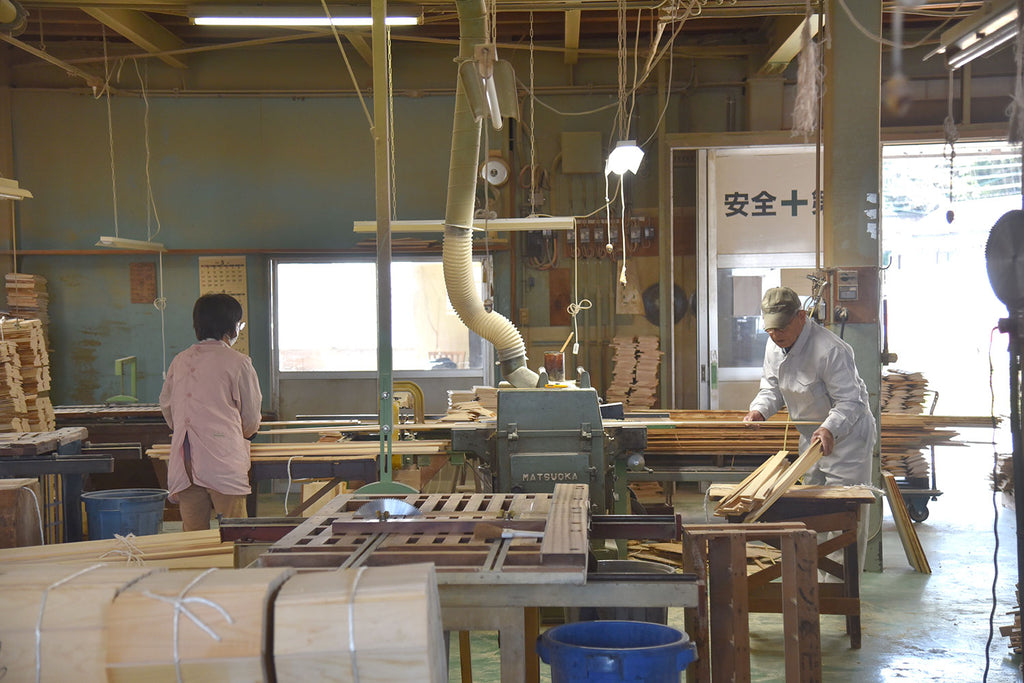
(211, 400)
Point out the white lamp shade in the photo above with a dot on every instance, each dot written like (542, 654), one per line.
(625, 157)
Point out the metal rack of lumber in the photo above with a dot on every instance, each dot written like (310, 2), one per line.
(821, 509)
(484, 583)
(720, 626)
(181, 550)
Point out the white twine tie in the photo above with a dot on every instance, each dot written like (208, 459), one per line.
(181, 606)
(42, 609)
(133, 554)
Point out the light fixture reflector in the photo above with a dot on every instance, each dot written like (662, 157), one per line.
(125, 243)
(625, 157)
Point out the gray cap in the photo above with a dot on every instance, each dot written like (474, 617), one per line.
(778, 306)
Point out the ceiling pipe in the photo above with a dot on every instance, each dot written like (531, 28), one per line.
(457, 250)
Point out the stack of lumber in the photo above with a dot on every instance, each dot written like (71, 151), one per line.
(905, 438)
(33, 369)
(765, 485)
(388, 620)
(95, 622)
(468, 411)
(13, 407)
(27, 297)
(904, 526)
(182, 550)
(71, 606)
(759, 555)
(228, 638)
(634, 371)
(903, 392)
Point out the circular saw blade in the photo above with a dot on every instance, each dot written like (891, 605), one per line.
(1004, 256)
(387, 508)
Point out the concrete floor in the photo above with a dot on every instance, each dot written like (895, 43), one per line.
(916, 627)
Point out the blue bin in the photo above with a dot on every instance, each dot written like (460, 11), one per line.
(615, 652)
(124, 511)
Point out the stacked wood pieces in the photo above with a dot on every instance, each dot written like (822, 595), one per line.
(904, 525)
(27, 297)
(394, 614)
(181, 550)
(765, 485)
(70, 605)
(903, 392)
(226, 638)
(25, 377)
(635, 371)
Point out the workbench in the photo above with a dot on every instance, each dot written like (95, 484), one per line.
(484, 584)
(36, 454)
(821, 509)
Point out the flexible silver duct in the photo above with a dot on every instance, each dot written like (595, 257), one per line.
(457, 254)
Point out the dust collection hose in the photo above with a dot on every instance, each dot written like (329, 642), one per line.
(457, 251)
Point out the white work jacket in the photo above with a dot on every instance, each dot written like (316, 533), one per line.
(818, 381)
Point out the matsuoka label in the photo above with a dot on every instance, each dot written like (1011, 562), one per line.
(551, 476)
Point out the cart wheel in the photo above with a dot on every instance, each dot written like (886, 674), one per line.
(918, 514)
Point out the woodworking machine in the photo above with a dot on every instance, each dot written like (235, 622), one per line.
(556, 434)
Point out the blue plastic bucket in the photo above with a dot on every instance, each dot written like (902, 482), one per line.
(615, 652)
(124, 511)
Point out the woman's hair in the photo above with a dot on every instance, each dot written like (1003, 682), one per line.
(216, 315)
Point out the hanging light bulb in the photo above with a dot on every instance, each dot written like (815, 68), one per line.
(625, 157)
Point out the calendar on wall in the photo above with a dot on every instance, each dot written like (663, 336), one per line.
(226, 275)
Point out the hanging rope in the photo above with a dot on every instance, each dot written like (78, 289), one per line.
(533, 111)
(952, 135)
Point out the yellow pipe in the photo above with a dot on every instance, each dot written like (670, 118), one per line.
(414, 390)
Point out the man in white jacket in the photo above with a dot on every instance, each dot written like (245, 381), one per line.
(811, 371)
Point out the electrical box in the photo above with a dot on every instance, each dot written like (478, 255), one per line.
(856, 290)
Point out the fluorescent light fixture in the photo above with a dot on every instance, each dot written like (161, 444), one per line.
(289, 16)
(124, 243)
(625, 157)
(9, 190)
(493, 225)
(980, 33)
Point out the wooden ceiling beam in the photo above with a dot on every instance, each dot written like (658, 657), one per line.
(785, 42)
(141, 30)
(572, 36)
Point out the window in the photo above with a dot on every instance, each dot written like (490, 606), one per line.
(326, 318)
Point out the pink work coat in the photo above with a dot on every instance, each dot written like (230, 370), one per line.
(211, 397)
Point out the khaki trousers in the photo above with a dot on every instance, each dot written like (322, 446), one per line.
(196, 503)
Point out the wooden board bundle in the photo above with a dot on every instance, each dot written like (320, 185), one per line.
(20, 511)
(372, 625)
(71, 605)
(327, 449)
(24, 377)
(904, 526)
(151, 636)
(903, 392)
(635, 371)
(185, 549)
(765, 485)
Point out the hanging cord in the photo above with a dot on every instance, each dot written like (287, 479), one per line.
(952, 135)
(39, 511)
(288, 489)
(110, 127)
(160, 302)
(391, 127)
(995, 505)
(348, 65)
(1015, 112)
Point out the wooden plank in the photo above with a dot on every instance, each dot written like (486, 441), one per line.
(795, 470)
(905, 526)
(800, 607)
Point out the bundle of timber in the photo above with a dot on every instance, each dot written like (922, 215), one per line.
(388, 620)
(33, 376)
(635, 371)
(27, 296)
(55, 617)
(765, 485)
(225, 636)
(13, 407)
(468, 411)
(903, 392)
(182, 550)
(332, 450)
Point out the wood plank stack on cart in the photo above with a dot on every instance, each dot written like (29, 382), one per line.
(635, 371)
(903, 392)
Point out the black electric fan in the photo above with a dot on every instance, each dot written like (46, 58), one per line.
(1004, 258)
